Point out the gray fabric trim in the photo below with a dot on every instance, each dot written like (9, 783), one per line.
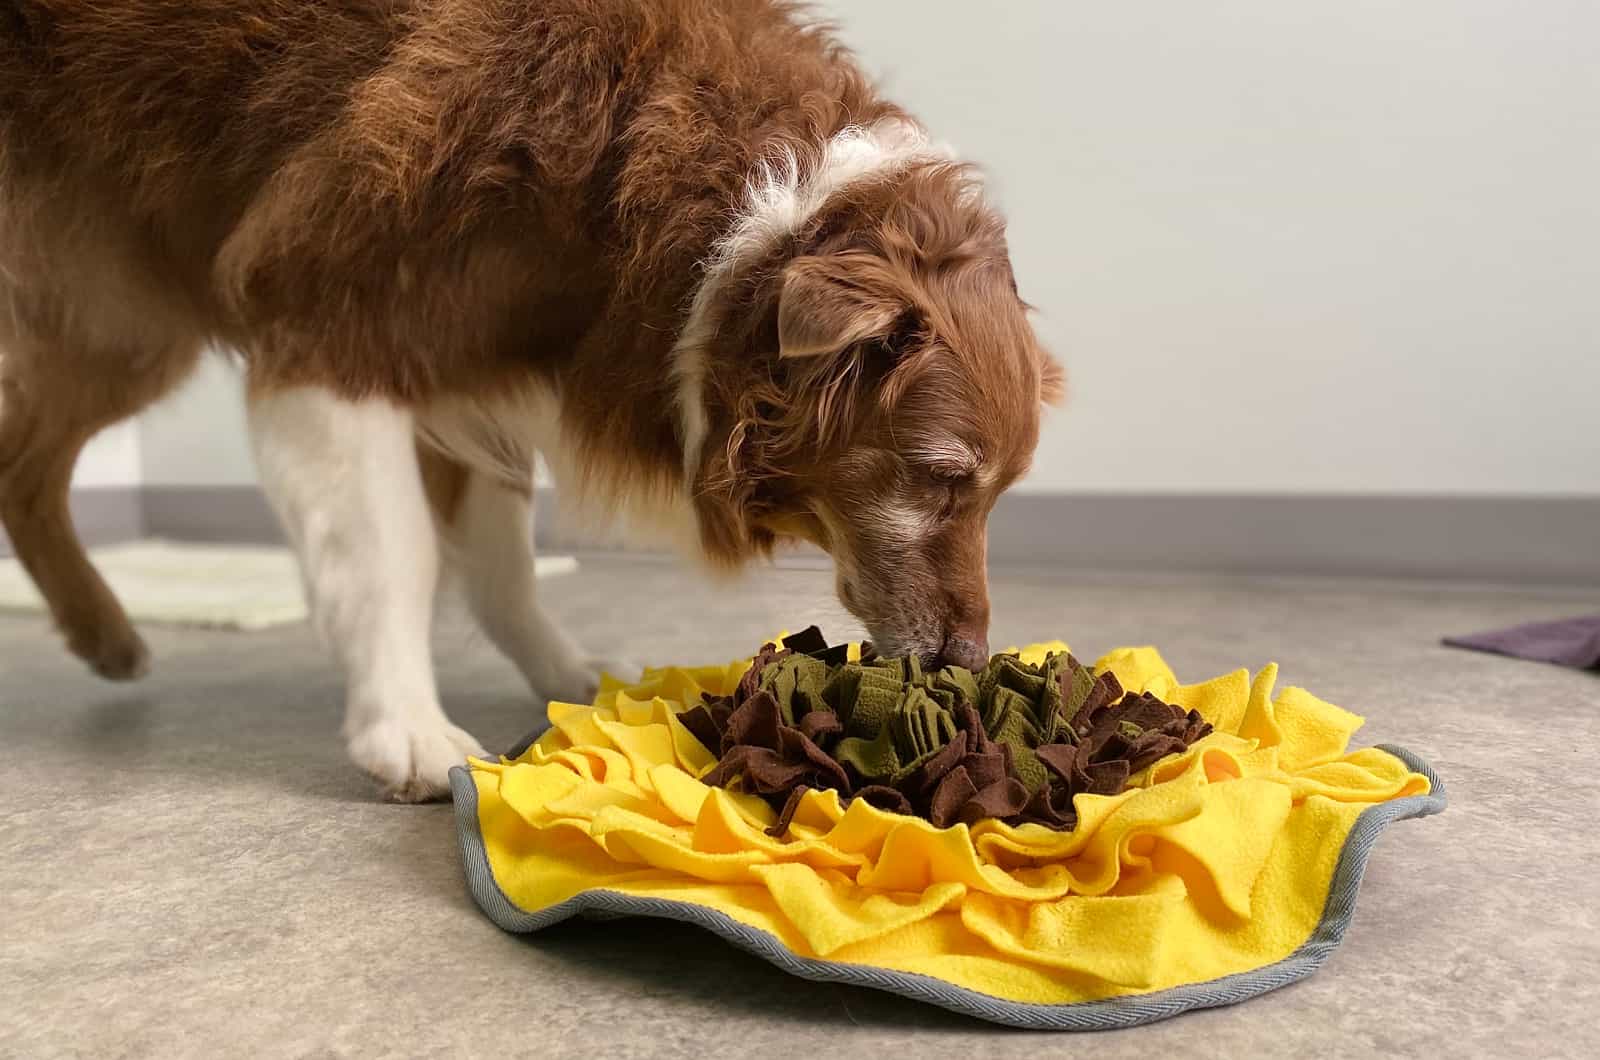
(1086, 1015)
(520, 748)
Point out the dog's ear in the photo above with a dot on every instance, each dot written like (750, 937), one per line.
(1052, 381)
(829, 303)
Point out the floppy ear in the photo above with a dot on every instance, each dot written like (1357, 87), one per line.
(831, 303)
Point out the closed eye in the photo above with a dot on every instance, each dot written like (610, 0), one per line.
(951, 483)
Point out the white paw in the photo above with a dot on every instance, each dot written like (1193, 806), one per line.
(623, 670)
(412, 758)
(575, 683)
(579, 682)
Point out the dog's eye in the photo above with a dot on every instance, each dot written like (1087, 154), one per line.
(949, 482)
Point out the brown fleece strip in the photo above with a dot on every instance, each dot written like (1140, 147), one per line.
(1015, 742)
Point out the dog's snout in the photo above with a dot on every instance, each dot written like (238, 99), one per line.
(965, 648)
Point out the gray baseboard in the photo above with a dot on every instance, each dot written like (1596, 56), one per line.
(103, 516)
(241, 515)
(1544, 539)
(217, 514)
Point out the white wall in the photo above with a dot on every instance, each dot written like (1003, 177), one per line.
(196, 437)
(1328, 245)
(110, 460)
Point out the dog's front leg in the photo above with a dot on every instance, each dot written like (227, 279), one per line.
(491, 539)
(344, 479)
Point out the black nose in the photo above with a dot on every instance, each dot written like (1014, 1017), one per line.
(961, 649)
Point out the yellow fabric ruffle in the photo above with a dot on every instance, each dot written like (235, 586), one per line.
(1214, 861)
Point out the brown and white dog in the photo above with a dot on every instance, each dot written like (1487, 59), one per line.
(681, 248)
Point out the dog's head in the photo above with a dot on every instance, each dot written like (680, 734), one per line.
(901, 396)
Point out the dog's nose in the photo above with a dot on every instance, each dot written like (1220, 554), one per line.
(964, 649)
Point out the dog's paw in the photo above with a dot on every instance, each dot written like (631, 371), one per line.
(116, 653)
(623, 670)
(578, 682)
(411, 759)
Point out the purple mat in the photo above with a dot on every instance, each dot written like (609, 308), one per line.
(1568, 642)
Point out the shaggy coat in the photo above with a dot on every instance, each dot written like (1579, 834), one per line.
(681, 247)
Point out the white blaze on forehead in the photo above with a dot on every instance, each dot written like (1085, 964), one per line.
(945, 451)
(778, 200)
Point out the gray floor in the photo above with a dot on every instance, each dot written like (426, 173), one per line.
(188, 866)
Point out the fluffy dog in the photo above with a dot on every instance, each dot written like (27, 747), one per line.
(681, 248)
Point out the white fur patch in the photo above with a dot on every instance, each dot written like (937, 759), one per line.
(778, 201)
(946, 451)
(499, 436)
(905, 524)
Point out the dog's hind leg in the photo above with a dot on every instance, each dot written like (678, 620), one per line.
(343, 478)
(52, 401)
(487, 530)
(37, 453)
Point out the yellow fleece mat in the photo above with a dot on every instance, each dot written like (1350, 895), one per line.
(1220, 873)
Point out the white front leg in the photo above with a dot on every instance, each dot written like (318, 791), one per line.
(491, 543)
(343, 478)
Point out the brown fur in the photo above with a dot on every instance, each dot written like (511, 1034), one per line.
(452, 198)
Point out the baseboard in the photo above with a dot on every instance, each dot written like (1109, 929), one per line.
(103, 516)
(1545, 539)
(219, 514)
(241, 515)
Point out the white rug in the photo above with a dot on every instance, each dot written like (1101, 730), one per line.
(220, 587)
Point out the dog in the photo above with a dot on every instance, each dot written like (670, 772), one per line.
(682, 249)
